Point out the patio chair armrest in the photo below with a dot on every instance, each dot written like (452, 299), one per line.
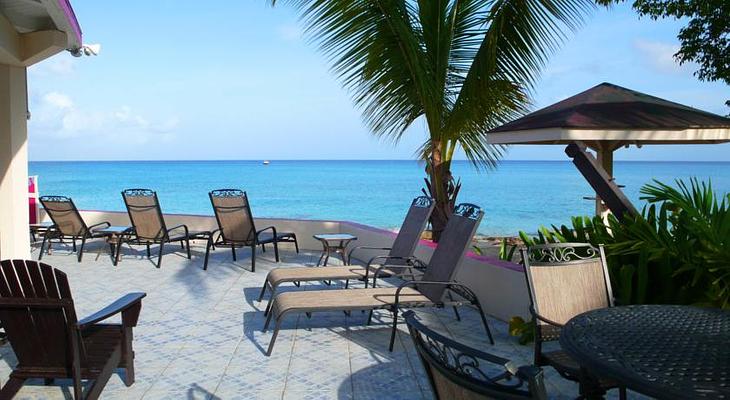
(412, 260)
(129, 305)
(453, 286)
(543, 319)
(185, 227)
(349, 255)
(105, 223)
(273, 230)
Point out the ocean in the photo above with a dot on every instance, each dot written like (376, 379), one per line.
(517, 196)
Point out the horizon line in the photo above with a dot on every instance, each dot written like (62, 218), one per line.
(364, 159)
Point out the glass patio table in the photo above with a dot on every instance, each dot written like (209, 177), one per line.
(663, 351)
(334, 243)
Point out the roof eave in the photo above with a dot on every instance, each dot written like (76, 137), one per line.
(645, 136)
(65, 19)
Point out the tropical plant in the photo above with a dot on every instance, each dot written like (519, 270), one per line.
(676, 252)
(462, 67)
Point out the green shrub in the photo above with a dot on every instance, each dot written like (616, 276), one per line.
(676, 252)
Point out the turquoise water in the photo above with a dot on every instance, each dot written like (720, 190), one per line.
(519, 195)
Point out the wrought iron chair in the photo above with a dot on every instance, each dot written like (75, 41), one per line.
(564, 280)
(148, 224)
(456, 371)
(67, 224)
(236, 226)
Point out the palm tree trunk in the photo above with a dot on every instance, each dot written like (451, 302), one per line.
(439, 186)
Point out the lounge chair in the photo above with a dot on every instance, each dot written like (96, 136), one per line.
(236, 227)
(435, 287)
(67, 224)
(38, 314)
(401, 253)
(552, 270)
(148, 224)
(457, 371)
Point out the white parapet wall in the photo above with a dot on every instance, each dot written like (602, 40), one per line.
(500, 285)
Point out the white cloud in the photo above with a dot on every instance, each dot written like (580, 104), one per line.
(55, 115)
(62, 64)
(659, 56)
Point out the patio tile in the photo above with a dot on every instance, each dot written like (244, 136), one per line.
(199, 335)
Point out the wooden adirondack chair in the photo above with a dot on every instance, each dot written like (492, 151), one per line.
(37, 312)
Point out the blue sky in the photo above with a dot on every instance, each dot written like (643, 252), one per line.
(236, 80)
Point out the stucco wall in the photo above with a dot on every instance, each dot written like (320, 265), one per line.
(500, 285)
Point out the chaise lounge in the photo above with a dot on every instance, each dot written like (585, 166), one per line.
(401, 253)
(435, 288)
(67, 224)
(148, 224)
(236, 227)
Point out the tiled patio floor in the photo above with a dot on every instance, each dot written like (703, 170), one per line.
(199, 335)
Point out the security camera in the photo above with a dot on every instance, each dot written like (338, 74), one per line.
(86, 50)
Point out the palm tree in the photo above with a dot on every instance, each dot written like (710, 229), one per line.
(462, 66)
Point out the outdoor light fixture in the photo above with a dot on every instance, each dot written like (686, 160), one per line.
(86, 50)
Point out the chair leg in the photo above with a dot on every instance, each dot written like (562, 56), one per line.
(182, 244)
(395, 328)
(207, 253)
(73, 241)
(484, 321)
(276, 250)
(81, 248)
(149, 254)
(263, 248)
(187, 245)
(159, 256)
(296, 244)
(370, 317)
(273, 337)
(268, 320)
(128, 356)
(253, 258)
(263, 290)
(233, 250)
(43, 245)
(11, 388)
(95, 389)
(267, 310)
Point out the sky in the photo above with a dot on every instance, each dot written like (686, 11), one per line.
(238, 80)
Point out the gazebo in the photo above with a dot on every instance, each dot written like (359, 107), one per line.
(606, 118)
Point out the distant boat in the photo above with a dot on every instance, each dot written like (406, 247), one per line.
(266, 162)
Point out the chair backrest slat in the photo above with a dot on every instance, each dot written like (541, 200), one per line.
(566, 279)
(413, 225)
(64, 215)
(450, 250)
(38, 333)
(233, 213)
(145, 214)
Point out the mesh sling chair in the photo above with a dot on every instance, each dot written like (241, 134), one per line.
(401, 253)
(564, 280)
(456, 371)
(37, 311)
(67, 224)
(435, 288)
(148, 224)
(236, 226)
